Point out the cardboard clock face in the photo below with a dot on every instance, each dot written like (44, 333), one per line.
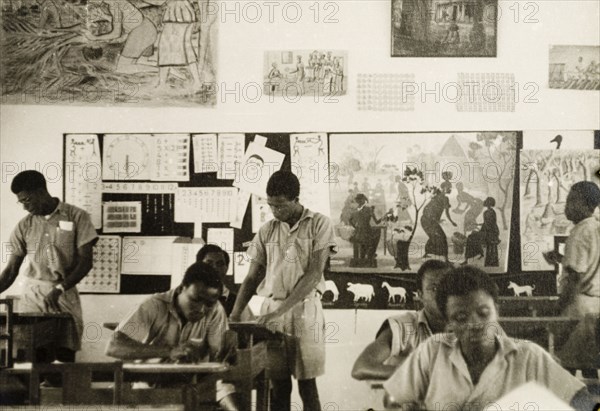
(126, 157)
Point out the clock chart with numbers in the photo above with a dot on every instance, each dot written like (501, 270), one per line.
(126, 157)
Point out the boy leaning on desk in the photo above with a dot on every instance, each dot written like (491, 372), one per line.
(186, 324)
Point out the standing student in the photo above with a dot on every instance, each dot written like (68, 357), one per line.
(580, 295)
(288, 255)
(402, 333)
(186, 324)
(57, 239)
(218, 259)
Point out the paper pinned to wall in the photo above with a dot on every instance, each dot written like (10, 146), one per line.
(230, 152)
(241, 263)
(223, 237)
(105, 275)
(131, 187)
(260, 140)
(205, 153)
(122, 216)
(311, 164)
(257, 166)
(83, 185)
(171, 157)
(183, 254)
(261, 212)
(205, 204)
(243, 198)
(198, 229)
(146, 255)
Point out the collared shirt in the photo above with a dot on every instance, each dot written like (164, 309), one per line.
(286, 252)
(409, 329)
(156, 322)
(51, 242)
(436, 375)
(582, 254)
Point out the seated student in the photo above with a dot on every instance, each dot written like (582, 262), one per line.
(218, 259)
(186, 324)
(477, 364)
(401, 334)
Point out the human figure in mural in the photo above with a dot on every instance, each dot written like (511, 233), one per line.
(437, 243)
(274, 78)
(490, 233)
(474, 207)
(400, 225)
(365, 237)
(348, 209)
(115, 20)
(338, 72)
(300, 74)
(474, 246)
(175, 47)
(452, 33)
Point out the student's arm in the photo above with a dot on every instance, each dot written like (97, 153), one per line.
(569, 291)
(85, 255)
(583, 401)
(126, 348)
(369, 364)
(256, 274)
(10, 272)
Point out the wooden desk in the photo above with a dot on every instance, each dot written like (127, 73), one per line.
(250, 370)
(34, 330)
(531, 327)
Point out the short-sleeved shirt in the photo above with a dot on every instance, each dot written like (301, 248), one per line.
(409, 329)
(436, 375)
(156, 322)
(582, 254)
(286, 252)
(51, 242)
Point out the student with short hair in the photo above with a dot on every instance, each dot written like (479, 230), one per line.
(580, 294)
(186, 324)
(399, 335)
(57, 239)
(476, 364)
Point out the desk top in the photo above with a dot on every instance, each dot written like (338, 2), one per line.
(169, 368)
(35, 315)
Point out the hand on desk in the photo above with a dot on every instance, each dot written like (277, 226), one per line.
(189, 352)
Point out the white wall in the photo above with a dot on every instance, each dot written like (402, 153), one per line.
(31, 136)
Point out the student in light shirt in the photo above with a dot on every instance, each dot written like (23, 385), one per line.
(477, 364)
(401, 334)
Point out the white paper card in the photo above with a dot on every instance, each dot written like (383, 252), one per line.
(146, 255)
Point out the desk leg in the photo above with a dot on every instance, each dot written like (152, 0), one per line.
(262, 392)
(551, 342)
(200, 396)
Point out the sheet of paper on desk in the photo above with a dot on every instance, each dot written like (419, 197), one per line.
(531, 396)
(230, 151)
(83, 185)
(311, 165)
(205, 153)
(205, 204)
(167, 367)
(257, 166)
(146, 255)
(223, 237)
(183, 255)
(122, 216)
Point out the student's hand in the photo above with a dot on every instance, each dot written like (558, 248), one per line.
(552, 257)
(267, 318)
(235, 317)
(51, 300)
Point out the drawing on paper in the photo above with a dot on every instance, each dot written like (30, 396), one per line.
(546, 178)
(574, 67)
(401, 199)
(444, 28)
(146, 52)
(317, 73)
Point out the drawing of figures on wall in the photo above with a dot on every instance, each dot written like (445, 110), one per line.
(146, 52)
(546, 178)
(406, 198)
(444, 28)
(574, 67)
(317, 73)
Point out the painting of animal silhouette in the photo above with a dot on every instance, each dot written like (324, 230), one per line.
(395, 292)
(521, 289)
(330, 286)
(361, 291)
